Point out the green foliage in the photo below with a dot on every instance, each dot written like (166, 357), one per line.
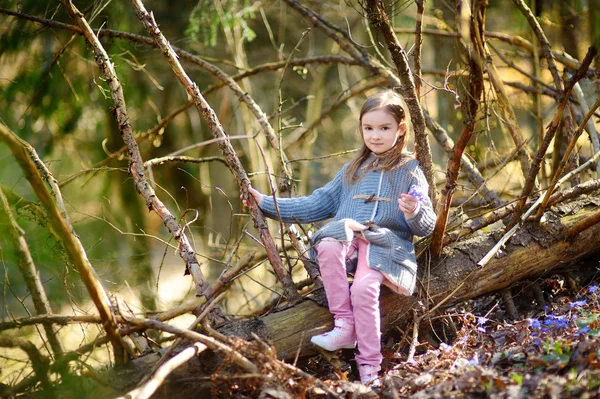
(206, 20)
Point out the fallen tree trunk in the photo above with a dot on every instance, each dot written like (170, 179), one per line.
(534, 250)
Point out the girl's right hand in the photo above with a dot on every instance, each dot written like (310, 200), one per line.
(258, 197)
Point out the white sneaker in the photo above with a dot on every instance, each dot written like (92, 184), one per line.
(342, 336)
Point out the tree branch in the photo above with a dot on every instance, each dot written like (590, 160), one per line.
(38, 361)
(551, 131)
(25, 156)
(147, 390)
(136, 164)
(379, 19)
(31, 275)
(469, 106)
(217, 130)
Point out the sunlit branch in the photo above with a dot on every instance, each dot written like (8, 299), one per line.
(551, 131)
(31, 275)
(32, 167)
(224, 144)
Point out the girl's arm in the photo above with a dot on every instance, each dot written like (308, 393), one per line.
(320, 205)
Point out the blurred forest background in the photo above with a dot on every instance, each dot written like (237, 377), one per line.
(54, 96)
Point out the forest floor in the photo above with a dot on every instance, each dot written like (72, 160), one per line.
(550, 351)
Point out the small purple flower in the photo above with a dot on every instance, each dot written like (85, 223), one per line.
(480, 322)
(577, 303)
(556, 322)
(535, 324)
(584, 330)
(417, 192)
(592, 289)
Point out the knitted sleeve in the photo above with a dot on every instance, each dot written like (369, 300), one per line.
(320, 205)
(423, 223)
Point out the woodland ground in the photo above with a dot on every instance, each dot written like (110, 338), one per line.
(551, 351)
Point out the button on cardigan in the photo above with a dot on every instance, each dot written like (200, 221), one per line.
(372, 200)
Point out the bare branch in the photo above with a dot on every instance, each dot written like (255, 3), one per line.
(379, 19)
(147, 390)
(31, 275)
(38, 361)
(418, 46)
(551, 131)
(563, 163)
(217, 130)
(25, 156)
(136, 164)
(469, 106)
(212, 343)
(467, 166)
(546, 48)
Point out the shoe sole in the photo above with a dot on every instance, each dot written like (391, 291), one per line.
(333, 349)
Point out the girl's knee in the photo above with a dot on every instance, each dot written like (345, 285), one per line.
(365, 290)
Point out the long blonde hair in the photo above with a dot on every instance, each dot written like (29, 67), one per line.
(392, 103)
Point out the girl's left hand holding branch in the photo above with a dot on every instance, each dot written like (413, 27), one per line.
(258, 197)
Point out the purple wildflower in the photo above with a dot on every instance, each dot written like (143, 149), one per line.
(577, 303)
(584, 330)
(474, 362)
(592, 289)
(555, 322)
(480, 322)
(417, 192)
(535, 323)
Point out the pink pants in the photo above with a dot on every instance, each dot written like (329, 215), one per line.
(359, 304)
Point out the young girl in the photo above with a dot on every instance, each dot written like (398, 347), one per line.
(377, 202)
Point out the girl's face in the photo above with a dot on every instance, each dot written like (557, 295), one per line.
(381, 131)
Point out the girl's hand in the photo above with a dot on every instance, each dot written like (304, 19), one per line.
(409, 205)
(255, 194)
(355, 226)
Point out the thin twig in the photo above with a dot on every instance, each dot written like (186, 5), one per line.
(532, 208)
(212, 343)
(469, 106)
(38, 361)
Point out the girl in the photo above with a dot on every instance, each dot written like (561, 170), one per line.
(377, 202)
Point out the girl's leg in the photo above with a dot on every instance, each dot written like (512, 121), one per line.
(331, 255)
(365, 303)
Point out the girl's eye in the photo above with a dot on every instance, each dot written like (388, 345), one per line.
(385, 128)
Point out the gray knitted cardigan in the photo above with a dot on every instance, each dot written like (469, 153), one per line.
(372, 200)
